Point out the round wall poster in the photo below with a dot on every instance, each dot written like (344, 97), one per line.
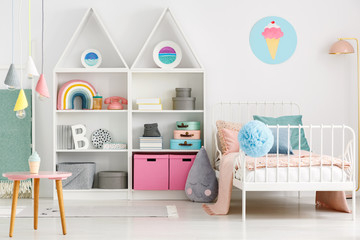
(91, 58)
(167, 54)
(273, 40)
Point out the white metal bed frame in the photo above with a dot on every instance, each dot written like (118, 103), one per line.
(234, 112)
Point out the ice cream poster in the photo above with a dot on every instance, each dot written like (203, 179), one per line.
(273, 40)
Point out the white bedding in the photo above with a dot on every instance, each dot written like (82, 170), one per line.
(293, 173)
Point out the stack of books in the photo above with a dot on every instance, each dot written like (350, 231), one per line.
(151, 143)
(64, 137)
(149, 104)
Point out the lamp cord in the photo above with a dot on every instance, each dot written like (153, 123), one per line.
(12, 31)
(30, 45)
(42, 36)
(21, 66)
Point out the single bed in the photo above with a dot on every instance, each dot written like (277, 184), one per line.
(329, 165)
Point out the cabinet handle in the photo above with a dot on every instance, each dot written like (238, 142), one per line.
(186, 135)
(151, 159)
(185, 144)
(182, 125)
(186, 159)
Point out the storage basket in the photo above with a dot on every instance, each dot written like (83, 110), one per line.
(83, 174)
(112, 180)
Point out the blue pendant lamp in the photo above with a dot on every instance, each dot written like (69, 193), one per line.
(12, 79)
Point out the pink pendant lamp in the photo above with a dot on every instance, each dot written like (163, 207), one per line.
(41, 87)
(342, 46)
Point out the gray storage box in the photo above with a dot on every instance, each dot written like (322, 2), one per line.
(83, 174)
(184, 103)
(112, 180)
(183, 92)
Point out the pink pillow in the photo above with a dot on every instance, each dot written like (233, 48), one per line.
(233, 126)
(230, 141)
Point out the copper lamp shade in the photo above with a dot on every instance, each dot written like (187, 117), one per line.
(341, 47)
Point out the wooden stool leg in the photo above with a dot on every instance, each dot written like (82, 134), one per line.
(36, 201)
(13, 207)
(61, 204)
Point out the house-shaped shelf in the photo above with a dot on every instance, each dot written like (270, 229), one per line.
(91, 34)
(166, 29)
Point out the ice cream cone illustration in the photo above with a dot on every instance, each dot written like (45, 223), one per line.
(272, 34)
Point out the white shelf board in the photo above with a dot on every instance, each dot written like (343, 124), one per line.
(164, 150)
(91, 70)
(167, 111)
(96, 194)
(92, 111)
(95, 190)
(174, 70)
(90, 151)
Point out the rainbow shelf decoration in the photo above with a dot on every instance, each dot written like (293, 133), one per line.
(76, 88)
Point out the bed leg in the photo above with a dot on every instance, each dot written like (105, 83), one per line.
(354, 205)
(243, 205)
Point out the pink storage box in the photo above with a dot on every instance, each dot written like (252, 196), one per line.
(183, 134)
(179, 169)
(151, 172)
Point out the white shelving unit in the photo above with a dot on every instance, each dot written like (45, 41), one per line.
(114, 78)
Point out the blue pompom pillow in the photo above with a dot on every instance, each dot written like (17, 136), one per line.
(255, 139)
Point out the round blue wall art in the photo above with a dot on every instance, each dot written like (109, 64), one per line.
(273, 40)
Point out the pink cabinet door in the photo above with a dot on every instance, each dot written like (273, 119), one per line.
(151, 172)
(179, 169)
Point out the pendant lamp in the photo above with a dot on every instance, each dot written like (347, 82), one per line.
(30, 66)
(21, 102)
(12, 79)
(41, 87)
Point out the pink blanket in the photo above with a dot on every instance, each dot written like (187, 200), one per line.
(333, 200)
(303, 156)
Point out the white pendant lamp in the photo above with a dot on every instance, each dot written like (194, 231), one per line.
(30, 66)
(41, 87)
(12, 79)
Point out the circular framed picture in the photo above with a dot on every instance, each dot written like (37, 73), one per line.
(167, 54)
(273, 40)
(91, 58)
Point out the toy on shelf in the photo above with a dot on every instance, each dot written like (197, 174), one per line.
(115, 104)
(75, 88)
(97, 102)
(151, 130)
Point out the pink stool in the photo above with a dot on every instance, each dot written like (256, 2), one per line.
(18, 176)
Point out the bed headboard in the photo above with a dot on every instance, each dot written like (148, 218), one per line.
(242, 112)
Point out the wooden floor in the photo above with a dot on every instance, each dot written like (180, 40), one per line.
(267, 218)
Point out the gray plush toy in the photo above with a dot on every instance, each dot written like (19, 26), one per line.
(201, 184)
(151, 130)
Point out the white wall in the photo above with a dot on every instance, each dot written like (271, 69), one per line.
(324, 85)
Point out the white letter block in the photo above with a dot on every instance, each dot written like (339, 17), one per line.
(78, 132)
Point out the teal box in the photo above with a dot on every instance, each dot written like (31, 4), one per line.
(189, 144)
(187, 125)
